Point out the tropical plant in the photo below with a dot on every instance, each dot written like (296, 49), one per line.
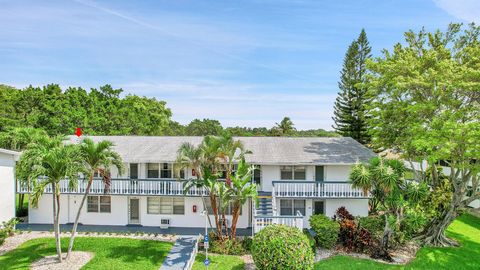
(394, 194)
(18, 139)
(281, 247)
(52, 161)
(96, 157)
(212, 156)
(190, 156)
(242, 190)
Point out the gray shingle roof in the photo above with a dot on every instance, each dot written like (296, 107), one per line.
(265, 150)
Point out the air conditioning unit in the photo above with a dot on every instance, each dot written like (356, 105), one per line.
(164, 223)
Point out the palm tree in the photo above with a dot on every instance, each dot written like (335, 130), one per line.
(18, 139)
(230, 151)
(285, 127)
(96, 157)
(242, 190)
(53, 161)
(190, 156)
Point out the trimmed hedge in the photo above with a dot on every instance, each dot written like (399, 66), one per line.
(327, 230)
(281, 247)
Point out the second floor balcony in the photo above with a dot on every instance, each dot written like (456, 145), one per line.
(313, 189)
(166, 187)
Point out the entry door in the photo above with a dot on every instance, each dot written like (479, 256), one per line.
(319, 173)
(134, 211)
(319, 207)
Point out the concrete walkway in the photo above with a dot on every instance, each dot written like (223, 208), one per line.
(180, 255)
(130, 229)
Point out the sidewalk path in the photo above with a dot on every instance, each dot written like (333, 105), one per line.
(181, 252)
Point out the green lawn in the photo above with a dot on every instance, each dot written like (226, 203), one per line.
(110, 253)
(466, 229)
(219, 262)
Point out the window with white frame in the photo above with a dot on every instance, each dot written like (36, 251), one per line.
(166, 170)
(228, 209)
(99, 204)
(293, 173)
(152, 170)
(166, 205)
(290, 207)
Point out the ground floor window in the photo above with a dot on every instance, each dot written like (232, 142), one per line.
(228, 209)
(166, 205)
(99, 204)
(290, 207)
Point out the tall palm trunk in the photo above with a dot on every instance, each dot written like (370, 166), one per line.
(75, 225)
(213, 202)
(56, 225)
(236, 214)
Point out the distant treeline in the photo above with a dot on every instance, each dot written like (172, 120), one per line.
(103, 111)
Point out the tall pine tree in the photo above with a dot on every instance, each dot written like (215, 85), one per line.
(350, 106)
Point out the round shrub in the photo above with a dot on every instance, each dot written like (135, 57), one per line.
(373, 224)
(326, 229)
(281, 247)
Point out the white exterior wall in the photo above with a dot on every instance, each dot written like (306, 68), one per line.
(7, 182)
(119, 213)
(356, 207)
(337, 172)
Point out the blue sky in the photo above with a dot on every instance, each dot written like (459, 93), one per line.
(245, 63)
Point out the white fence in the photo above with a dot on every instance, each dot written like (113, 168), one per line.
(261, 222)
(311, 189)
(123, 187)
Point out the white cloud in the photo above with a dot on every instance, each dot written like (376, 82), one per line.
(466, 10)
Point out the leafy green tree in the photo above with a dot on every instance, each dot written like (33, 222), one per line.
(53, 161)
(350, 110)
(95, 157)
(426, 107)
(284, 128)
(203, 127)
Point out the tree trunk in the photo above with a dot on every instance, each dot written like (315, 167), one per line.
(382, 251)
(435, 232)
(236, 214)
(213, 202)
(21, 198)
(56, 226)
(75, 225)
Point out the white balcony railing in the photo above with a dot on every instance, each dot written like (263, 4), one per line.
(260, 222)
(312, 189)
(124, 187)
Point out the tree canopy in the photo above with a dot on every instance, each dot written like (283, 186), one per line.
(105, 111)
(425, 106)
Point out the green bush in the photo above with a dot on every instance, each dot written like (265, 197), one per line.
(311, 240)
(413, 224)
(326, 229)
(247, 243)
(281, 247)
(373, 224)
